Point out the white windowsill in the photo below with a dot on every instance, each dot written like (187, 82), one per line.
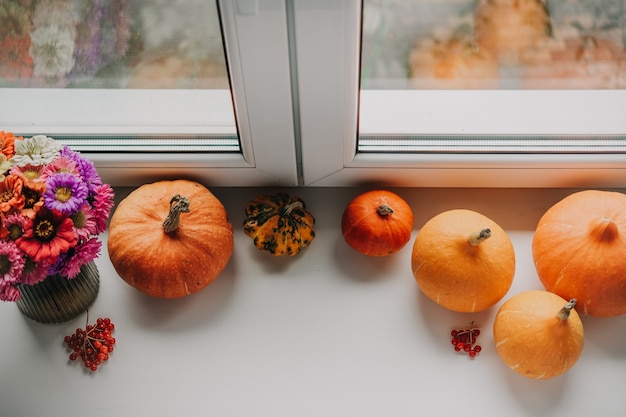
(329, 332)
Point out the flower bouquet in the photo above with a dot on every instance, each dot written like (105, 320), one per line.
(53, 205)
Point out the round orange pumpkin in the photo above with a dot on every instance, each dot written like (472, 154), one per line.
(538, 334)
(578, 249)
(169, 239)
(377, 223)
(463, 261)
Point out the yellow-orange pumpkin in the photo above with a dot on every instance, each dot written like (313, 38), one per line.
(377, 223)
(579, 250)
(463, 260)
(169, 239)
(538, 334)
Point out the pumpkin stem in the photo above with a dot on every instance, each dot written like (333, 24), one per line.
(286, 210)
(563, 313)
(604, 229)
(478, 237)
(178, 205)
(384, 210)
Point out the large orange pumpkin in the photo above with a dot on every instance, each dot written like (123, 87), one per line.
(538, 334)
(169, 239)
(377, 223)
(578, 250)
(463, 260)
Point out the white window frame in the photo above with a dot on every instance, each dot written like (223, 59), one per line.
(256, 42)
(327, 44)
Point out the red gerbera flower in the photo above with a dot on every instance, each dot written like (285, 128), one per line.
(52, 233)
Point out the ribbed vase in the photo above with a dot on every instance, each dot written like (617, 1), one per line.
(58, 299)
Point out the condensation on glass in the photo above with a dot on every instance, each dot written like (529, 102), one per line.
(165, 54)
(494, 44)
(113, 44)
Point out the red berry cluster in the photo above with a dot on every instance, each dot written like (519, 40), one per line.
(465, 340)
(93, 344)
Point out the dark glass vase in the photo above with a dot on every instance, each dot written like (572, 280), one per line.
(58, 299)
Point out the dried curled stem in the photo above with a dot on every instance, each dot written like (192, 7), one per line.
(563, 313)
(384, 210)
(178, 205)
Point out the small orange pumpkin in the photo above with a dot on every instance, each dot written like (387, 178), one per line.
(578, 249)
(377, 223)
(463, 261)
(538, 334)
(169, 239)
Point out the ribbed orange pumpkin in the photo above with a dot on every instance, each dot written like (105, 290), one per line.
(538, 334)
(463, 261)
(169, 239)
(377, 223)
(579, 250)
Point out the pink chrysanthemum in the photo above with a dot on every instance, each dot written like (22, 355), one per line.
(30, 173)
(84, 222)
(34, 272)
(102, 205)
(83, 254)
(58, 165)
(16, 225)
(9, 293)
(11, 262)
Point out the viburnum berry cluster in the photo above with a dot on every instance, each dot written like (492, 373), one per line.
(93, 344)
(465, 340)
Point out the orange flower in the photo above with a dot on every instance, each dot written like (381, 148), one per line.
(11, 194)
(4, 232)
(6, 143)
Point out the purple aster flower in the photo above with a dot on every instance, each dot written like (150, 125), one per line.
(81, 255)
(65, 193)
(11, 262)
(88, 53)
(86, 168)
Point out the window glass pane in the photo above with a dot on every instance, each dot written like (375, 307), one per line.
(111, 44)
(494, 44)
(125, 72)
